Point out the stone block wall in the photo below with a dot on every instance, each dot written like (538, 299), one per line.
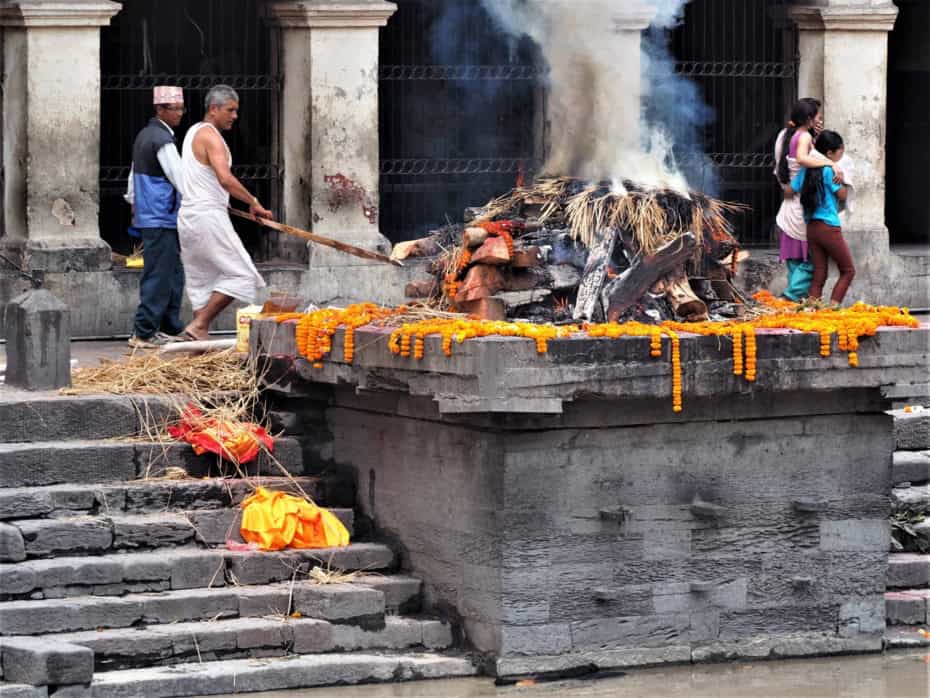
(595, 538)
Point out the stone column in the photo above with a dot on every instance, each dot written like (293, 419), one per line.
(844, 62)
(329, 137)
(51, 132)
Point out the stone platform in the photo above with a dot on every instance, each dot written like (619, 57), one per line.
(569, 518)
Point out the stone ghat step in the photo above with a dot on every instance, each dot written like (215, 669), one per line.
(911, 430)
(158, 495)
(29, 417)
(117, 574)
(915, 498)
(92, 462)
(240, 638)
(249, 675)
(908, 571)
(911, 466)
(904, 637)
(362, 603)
(908, 607)
(95, 535)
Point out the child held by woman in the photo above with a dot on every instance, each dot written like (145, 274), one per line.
(820, 198)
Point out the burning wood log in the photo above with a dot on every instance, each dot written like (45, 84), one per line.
(588, 306)
(493, 251)
(682, 298)
(424, 247)
(527, 257)
(627, 288)
(556, 277)
(481, 281)
(484, 308)
(474, 237)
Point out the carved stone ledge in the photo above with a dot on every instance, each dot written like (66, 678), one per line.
(58, 13)
(308, 14)
(848, 19)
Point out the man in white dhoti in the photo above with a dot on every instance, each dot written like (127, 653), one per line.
(218, 270)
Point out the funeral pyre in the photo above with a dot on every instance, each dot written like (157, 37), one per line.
(564, 249)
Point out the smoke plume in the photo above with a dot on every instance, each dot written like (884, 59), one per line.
(616, 107)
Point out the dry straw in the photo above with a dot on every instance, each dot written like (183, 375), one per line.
(655, 217)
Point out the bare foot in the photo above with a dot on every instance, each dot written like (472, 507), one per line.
(196, 334)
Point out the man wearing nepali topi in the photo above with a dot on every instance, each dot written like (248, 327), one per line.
(216, 264)
(154, 194)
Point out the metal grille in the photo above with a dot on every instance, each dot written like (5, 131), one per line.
(458, 112)
(461, 106)
(743, 56)
(194, 45)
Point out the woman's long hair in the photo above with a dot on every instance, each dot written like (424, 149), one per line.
(813, 192)
(801, 113)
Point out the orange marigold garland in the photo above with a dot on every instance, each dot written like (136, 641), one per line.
(315, 330)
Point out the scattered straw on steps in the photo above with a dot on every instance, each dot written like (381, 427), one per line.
(153, 374)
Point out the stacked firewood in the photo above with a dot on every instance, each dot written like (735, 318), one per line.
(568, 250)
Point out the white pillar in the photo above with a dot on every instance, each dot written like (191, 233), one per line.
(51, 132)
(329, 121)
(844, 62)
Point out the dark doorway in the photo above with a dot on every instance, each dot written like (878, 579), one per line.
(907, 198)
(459, 104)
(195, 45)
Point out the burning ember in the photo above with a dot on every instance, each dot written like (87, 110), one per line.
(564, 249)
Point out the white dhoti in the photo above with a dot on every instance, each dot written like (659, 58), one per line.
(214, 258)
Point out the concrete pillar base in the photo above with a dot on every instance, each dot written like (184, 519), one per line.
(346, 283)
(59, 255)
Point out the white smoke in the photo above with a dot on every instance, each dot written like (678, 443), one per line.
(615, 105)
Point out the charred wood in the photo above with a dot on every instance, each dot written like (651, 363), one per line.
(626, 289)
(682, 298)
(588, 306)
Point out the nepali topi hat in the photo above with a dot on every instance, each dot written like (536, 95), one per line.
(166, 94)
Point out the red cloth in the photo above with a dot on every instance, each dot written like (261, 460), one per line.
(239, 442)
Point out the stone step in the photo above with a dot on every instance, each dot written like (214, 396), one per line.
(236, 638)
(915, 498)
(348, 602)
(30, 417)
(908, 571)
(278, 674)
(904, 637)
(116, 574)
(919, 542)
(94, 535)
(911, 466)
(907, 607)
(911, 430)
(91, 462)
(149, 496)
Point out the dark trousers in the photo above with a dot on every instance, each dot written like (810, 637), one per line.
(162, 287)
(826, 242)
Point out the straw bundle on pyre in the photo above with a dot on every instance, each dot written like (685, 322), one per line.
(566, 249)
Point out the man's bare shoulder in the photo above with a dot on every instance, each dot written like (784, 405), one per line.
(206, 136)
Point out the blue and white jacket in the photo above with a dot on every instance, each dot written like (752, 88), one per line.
(155, 174)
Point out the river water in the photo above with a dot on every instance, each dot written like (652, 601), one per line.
(898, 674)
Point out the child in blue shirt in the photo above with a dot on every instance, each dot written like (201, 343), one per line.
(820, 198)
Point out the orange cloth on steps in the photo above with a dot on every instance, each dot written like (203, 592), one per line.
(275, 520)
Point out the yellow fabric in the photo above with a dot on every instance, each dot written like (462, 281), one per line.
(275, 520)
